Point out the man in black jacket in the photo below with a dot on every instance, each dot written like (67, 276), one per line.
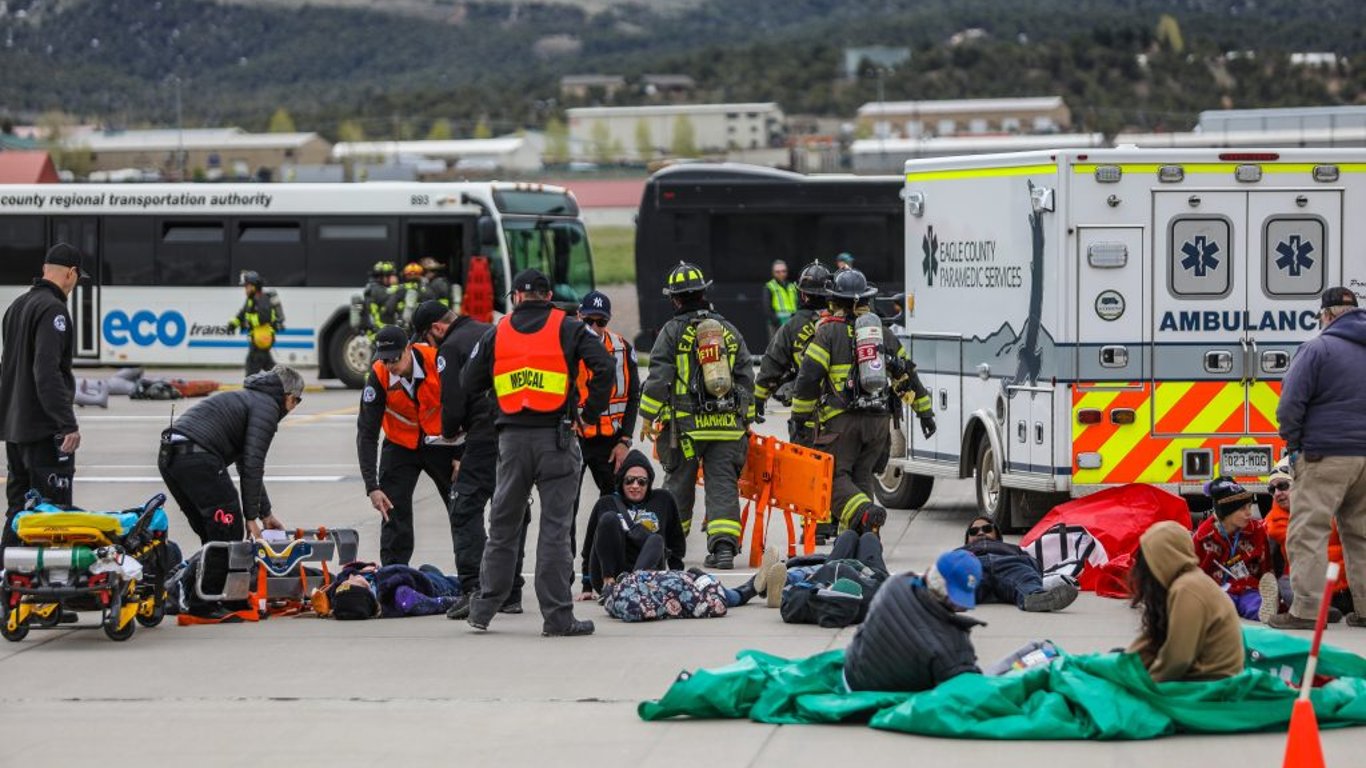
(37, 387)
(228, 428)
(1010, 575)
(634, 528)
(915, 636)
(529, 360)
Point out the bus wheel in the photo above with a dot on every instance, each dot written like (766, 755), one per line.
(900, 490)
(993, 501)
(349, 352)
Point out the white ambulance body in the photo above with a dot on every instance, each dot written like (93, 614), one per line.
(1087, 319)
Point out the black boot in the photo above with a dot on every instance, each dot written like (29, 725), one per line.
(722, 556)
(746, 591)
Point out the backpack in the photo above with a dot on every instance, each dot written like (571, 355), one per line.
(1067, 549)
(816, 602)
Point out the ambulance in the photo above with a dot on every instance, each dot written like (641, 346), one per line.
(1087, 319)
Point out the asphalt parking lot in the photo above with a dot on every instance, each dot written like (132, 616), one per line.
(305, 691)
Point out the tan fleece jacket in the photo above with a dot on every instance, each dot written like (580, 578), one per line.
(1204, 636)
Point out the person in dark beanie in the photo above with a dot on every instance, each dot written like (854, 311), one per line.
(915, 636)
(38, 389)
(1231, 545)
(1322, 417)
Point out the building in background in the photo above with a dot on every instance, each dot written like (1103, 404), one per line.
(667, 87)
(1282, 119)
(878, 56)
(623, 134)
(460, 157)
(584, 86)
(19, 166)
(889, 155)
(958, 117)
(209, 153)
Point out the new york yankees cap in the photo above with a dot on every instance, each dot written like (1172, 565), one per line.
(596, 303)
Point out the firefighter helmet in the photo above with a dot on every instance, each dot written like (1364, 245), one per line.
(252, 278)
(813, 278)
(685, 278)
(413, 270)
(383, 269)
(849, 284)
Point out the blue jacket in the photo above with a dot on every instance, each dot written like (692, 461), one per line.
(1323, 399)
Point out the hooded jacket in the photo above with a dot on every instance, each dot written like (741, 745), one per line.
(657, 501)
(461, 410)
(1323, 405)
(36, 383)
(1204, 637)
(238, 428)
(910, 641)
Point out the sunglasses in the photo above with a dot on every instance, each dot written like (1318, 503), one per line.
(976, 529)
(640, 481)
(600, 322)
(1281, 486)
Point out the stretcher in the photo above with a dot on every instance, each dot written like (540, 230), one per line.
(788, 478)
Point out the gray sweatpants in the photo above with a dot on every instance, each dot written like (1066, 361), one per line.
(531, 457)
(1332, 487)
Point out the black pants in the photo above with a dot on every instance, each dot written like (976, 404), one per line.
(201, 485)
(616, 551)
(399, 470)
(866, 548)
(258, 360)
(597, 460)
(469, 496)
(36, 466)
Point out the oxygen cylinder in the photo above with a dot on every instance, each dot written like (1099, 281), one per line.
(34, 559)
(872, 370)
(711, 355)
(357, 310)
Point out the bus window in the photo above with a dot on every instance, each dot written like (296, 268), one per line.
(744, 246)
(193, 252)
(23, 244)
(342, 251)
(869, 239)
(557, 248)
(273, 247)
(534, 203)
(126, 251)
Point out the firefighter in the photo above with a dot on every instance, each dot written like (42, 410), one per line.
(604, 444)
(840, 403)
(261, 317)
(403, 397)
(528, 359)
(781, 298)
(700, 390)
(383, 278)
(783, 357)
(436, 285)
(405, 296)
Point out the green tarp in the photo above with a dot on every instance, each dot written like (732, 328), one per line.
(1099, 696)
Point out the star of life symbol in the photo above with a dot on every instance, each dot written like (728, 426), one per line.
(1200, 255)
(1294, 255)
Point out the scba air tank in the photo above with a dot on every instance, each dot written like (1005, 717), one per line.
(36, 559)
(711, 355)
(872, 371)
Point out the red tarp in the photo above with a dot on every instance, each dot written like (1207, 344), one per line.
(1116, 517)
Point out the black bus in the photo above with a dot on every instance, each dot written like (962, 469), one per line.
(733, 220)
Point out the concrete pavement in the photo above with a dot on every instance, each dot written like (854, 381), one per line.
(304, 691)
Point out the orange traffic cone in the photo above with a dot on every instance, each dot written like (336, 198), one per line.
(1303, 748)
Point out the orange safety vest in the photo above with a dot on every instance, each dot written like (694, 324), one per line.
(610, 422)
(407, 421)
(530, 372)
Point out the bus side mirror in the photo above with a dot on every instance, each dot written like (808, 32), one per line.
(488, 231)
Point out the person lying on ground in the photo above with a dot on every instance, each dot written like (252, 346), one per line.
(831, 591)
(1010, 575)
(1190, 629)
(915, 636)
(366, 591)
(1277, 523)
(1231, 546)
(637, 528)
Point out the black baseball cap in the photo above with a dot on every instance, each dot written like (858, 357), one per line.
(390, 343)
(64, 255)
(531, 280)
(596, 304)
(427, 313)
(1338, 297)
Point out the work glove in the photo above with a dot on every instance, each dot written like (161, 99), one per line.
(798, 432)
(870, 519)
(927, 427)
(648, 431)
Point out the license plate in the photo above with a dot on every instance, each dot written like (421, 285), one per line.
(1245, 460)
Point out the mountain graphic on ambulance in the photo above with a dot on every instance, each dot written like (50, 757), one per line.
(1085, 320)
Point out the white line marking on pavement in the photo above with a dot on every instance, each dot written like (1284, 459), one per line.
(157, 479)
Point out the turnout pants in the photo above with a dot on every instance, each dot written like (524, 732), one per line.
(36, 466)
(721, 462)
(399, 470)
(200, 484)
(857, 441)
(1332, 487)
(469, 495)
(531, 457)
(258, 360)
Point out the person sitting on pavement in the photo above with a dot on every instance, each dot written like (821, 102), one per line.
(1190, 630)
(1277, 523)
(636, 528)
(1009, 575)
(1232, 548)
(229, 428)
(915, 636)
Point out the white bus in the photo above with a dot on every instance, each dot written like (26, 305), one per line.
(164, 259)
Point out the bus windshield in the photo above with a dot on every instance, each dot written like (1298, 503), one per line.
(559, 248)
(534, 202)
